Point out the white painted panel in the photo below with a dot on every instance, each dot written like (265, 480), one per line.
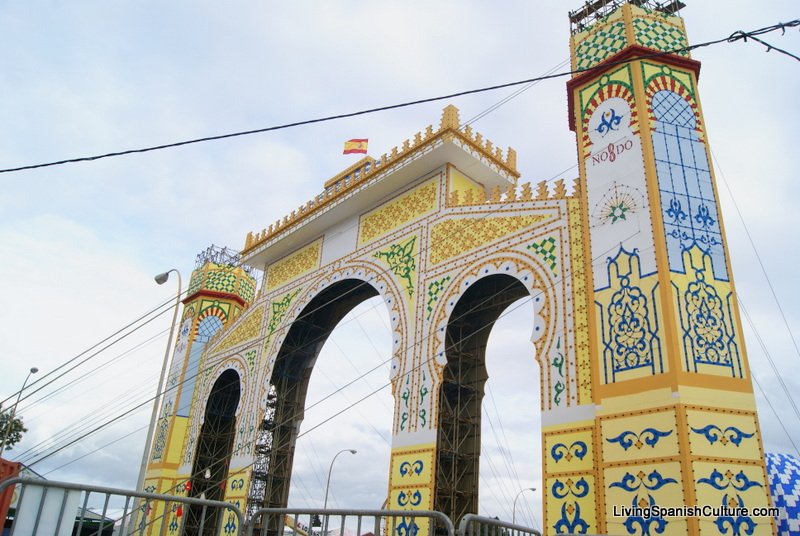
(340, 240)
(619, 212)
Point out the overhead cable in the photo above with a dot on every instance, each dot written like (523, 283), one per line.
(740, 35)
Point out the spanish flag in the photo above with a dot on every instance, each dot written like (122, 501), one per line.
(355, 146)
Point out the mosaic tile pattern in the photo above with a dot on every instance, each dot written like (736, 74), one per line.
(221, 281)
(451, 238)
(783, 474)
(294, 265)
(656, 34)
(397, 213)
(547, 249)
(708, 332)
(245, 330)
(599, 46)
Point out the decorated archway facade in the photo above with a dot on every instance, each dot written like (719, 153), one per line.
(646, 397)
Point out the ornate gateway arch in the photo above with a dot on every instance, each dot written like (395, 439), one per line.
(646, 397)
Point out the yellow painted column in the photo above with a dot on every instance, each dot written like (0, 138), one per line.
(676, 424)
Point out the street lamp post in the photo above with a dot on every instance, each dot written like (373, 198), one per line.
(160, 279)
(514, 510)
(328, 485)
(10, 422)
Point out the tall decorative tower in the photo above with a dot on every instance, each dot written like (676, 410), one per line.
(676, 419)
(219, 290)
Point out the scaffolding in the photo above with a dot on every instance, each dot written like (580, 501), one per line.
(222, 256)
(213, 455)
(263, 448)
(461, 393)
(277, 435)
(585, 17)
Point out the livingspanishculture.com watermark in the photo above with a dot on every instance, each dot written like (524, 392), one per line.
(654, 510)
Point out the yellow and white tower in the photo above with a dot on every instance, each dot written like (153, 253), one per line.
(219, 290)
(676, 419)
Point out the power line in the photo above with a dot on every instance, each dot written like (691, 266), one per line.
(769, 357)
(769, 46)
(758, 255)
(363, 112)
(739, 35)
(69, 361)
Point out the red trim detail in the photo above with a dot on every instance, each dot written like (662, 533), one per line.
(214, 294)
(631, 52)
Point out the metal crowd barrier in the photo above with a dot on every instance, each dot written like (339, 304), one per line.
(475, 525)
(50, 508)
(305, 521)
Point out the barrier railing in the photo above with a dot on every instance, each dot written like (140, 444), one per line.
(475, 525)
(306, 521)
(51, 508)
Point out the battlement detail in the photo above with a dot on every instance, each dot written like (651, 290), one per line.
(345, 181)
(545, 191)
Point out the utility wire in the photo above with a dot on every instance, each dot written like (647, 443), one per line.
(739, 35)
(91, 348)
(185, 380)
(91, 374)
(770, 47)
(777, 417)
(369, 111)
(758, 255)
(769, 357)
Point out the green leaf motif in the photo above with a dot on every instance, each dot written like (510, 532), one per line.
(400, 258)
(279, 309)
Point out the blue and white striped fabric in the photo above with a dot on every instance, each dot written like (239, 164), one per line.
(783, 472)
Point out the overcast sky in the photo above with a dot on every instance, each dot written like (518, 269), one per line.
(80, 243)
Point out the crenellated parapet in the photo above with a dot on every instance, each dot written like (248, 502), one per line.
(345, 182)
(543, 191)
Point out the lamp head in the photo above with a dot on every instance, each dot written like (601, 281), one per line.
(353, 451)
(162, 278)
(34, 370)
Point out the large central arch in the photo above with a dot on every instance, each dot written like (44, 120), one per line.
(291, 375)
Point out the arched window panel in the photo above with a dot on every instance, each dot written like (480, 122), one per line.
(688, 203)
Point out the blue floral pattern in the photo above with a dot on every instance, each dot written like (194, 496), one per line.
(730, 434)
(648, 436)
(629, 323)
(708, 335)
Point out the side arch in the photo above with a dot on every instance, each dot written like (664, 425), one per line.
(458, 441)
(213, 454)
(470, 309)
(549, 294)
